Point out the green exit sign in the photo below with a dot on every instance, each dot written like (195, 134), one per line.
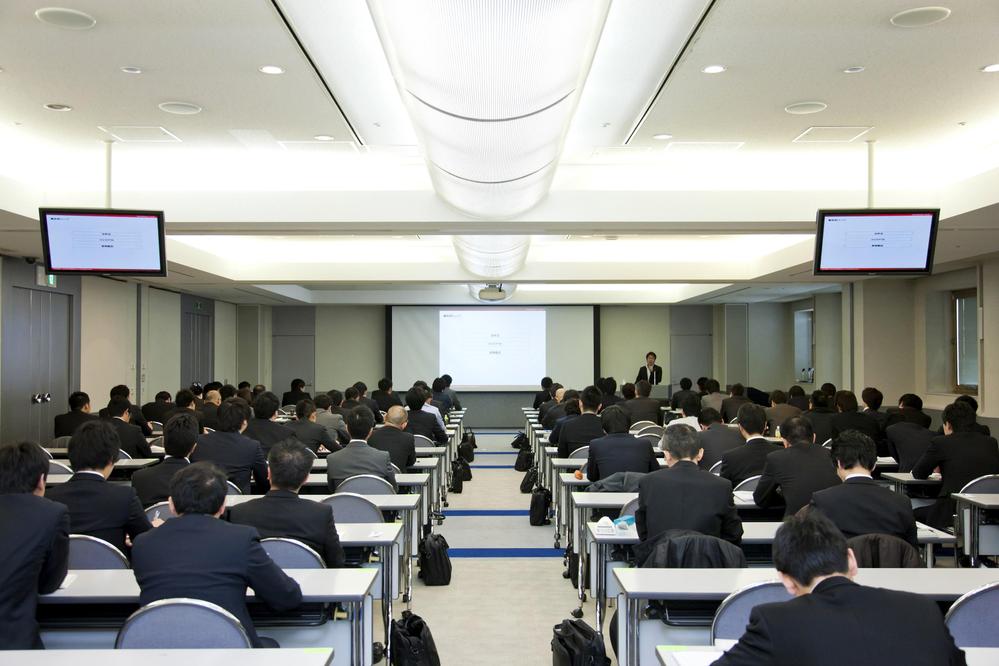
(43, 279)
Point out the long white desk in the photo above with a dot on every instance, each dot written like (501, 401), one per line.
(126, 465)
(704, 655)
(969, 508)
(317, 656)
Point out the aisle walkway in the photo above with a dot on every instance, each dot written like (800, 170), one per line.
(507, 590)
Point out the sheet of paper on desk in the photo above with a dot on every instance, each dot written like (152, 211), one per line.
(374, 534)
(744, 495)
(67, 581)
(682, 655)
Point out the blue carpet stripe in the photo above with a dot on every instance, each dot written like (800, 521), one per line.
(506, 552)
(486, 512)
(491, 466)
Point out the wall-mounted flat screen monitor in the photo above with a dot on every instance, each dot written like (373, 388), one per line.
(872, 241)
(91, 241)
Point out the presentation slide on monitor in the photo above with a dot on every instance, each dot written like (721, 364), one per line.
(875, 242)
(104, 243)
(492, 347)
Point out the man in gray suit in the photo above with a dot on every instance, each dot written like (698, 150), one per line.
(357, 457)
(779, 411)
(330, 420)
(643, 408)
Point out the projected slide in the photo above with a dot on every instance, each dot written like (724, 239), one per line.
(104, 243)
(876, 242)
(499, 348)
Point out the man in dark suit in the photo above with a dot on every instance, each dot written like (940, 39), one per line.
(308, 431)
(736, 399)
(385, 397)
(357, 457)
(859, 505)
(608, 392)
(331, 421)
(197, 556)
(135, 413)
(236, 454)
(180, 436)
(684, 497)
(350, 399)
(282, 513)
(817, 568)
(873, 399)
(132, 441)
(262, 427)
(779, 411)
(420, 422)
(34, 543)
(185, 402)
(583, 429)
(848, 418)
(796, 398)
(618, 451)
(962, 456)
(820, 415)
(98, 508)
(209, 416)
(747, 460)
(792, 474)
(642, 407)
(394, 440)
(545, 394)
(976, 426)
(552, 401)
(364, 399)
(570, 408)
(158, 409)
(557, 410)
(451, 393)
(715, 438)
(714, 397)
(650, 372)
(684, 392)
(910, 408)
(296, 394)
(907, 442)
(79, 413)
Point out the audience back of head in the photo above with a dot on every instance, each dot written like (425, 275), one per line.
(290, 464)
(960, 416)
(360, 422)
(846, 401)
(680, 442)
(873, 398)
(232, 414)
(614, 420)
(180, 434)
(199, 488)
(629, 391)
(809, 546)
(265, 405)
(94, 445)
(22, 465)
(798, 431)
(852, 448)
(752, 418)
(643, 388)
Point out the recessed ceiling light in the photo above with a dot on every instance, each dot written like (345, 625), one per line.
(805, 108)
(58, 107)
(714, 69)
(132, 70)
(856, 69)
(988, 69)
(662, 137)
(920, 17)
(180, 108)
(271, 69)
(323, 137)
(71, 19)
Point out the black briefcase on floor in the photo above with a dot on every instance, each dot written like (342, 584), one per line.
(541, 502)
(575, 643)
(412, 643)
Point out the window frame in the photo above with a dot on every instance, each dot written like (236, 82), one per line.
(964, 389)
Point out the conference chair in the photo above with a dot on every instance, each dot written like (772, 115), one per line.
(716, 468)
(48, 454)
(182, 624)
(972, 619)
(733, 613)
(57, 468)
(630, 507)
(353, 508)
(123, 455)
(884, 551)
(288, 410)
(748, 484)
(160, 510)
(232, 489)
(653, 438)
(582, 452)
(61, 442)
(87, 552)
(208, 430)
(827, 444)
(314, 454)
(988, 534)
(395, 468)
(365, 484)
(423, 440)
(638, 425)
(292, 554)
(651, 430)
(734, 421)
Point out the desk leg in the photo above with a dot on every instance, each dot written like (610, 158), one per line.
(357, 633)
(600, 589)
(929, 556)
(407, 548)
(580, 548)
(385, 553)
(974, 528)
(629, 629)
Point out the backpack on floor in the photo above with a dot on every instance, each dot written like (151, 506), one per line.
(521, 442)
(530, 480)
(412, 643)
(541, 503)
(457, 482)
(435, 564)
(465, 469)
(466, 451)
(525, 461)
(469, 437)
(575, 643)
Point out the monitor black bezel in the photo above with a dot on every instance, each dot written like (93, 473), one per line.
(43, 214)
(822, 213)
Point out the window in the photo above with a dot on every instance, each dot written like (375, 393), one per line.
(804, 346)
(964, 336)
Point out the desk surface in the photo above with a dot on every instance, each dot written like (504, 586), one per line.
(260, 657)
(704, 655)
(122, 465)
(368, 534)
(402, 480)
(583, 500)
(982, 500)
(906, 479)
(407, 502)
(320, 465)
(758, 533)
(422, 451)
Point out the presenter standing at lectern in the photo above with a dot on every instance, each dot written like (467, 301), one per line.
(650, 372)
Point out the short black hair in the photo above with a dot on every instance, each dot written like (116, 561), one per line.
(652, 354)
(265, 405)
(94, 445)
(215, 386)
(232, 413)
(243, 385)
(712, 386)
(118, 406)
(572, 407)
(872, 397)
(969, 401)
(752, 418)
(796, 392)
(685, 383)
(119, 391)
(846, 401)
(911, 400)
(227, 391)
(180, 434)
(798, 430)
(546, 383)
(738, 389)
(351, 393)
(290, 464)
(361, 387)
(628, 390)
(297, 384)
(447, 380)
(709, 416)
(819, 399)
(184, 398)
(809, 545)
(609, 386)
(304, 409)
(360, 421)
(415, 397)
(335, 396)
(614, 420)
(198, 488)
(322, 401)
(681, 441)
(384, 384)
(643, 388)
(691, 405)
(829, 389)
(570, 394)
(778, 397)
(591, 398)
(78, 400)
(196, 389)
(959, 415)
(701, 381)
(258, 389)
(163, 396)
(439, 385)
(852, 448)
(21, 465)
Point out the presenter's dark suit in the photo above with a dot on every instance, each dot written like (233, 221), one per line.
(358, 458)
(907, 414)
(578, 432)
(157, 410)
(291, 398)
(237, 455)
(399, 444)
(100, 509)
(907, 442)
(34, 555)
(268, 432)
(685, 497)
(133, 442)
(425, 423)
(961, 457)
(791, 475)
(884, 627)
(152, 484)
(620, 452)
(201, 557)
(540, 398)
(643, 409)
(747, 460)
(311, 434)
(730, 406)
(66, 424)
(860, 506)
(821, 420)
(717, 440)
(643, 374)
(282, 513)
(135, 418)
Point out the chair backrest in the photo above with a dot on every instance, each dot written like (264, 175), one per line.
(732, 615)
(160, 510)
(365, 484)
(973, 618)
(716, 468)
(124, 455)
(56, 468)
(353, 508)
(582, 452)
(292, 554)
(48, 454)
(87, 552)
(156, 441)
(651, 430)
(156, 427)
(983, 484)
(827, 444)
(395, 468)
(747, 484)
(182, 623)
(875, 551)
(630, 507)
(288, 410)
(638, 425)
(735, 420)
(423, 440)
(61, 442)
(314, 454)
(232, 489)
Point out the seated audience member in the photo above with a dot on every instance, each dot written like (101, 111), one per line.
(440, 395)
(583, 429)
(910, 408)
(79, 413)
(683, 393)
(227, 391)
(358, 457)
(556, 411)
(363, 399)
(571, 409)
(159, 408)
(243, 385)
(873, 399)
(859, 505)
(332, 421)
(430, 405)
(779, 411)
(98, 508)
(820, 415)
(296, 394)
(642, 407)
(34, 543)
(962, 456)
(618, 451)
(848, 418)
(740, 463)
(210, 409)
(132, 441)
(608, 390)
(628, 392)
(792, 474)
(552, 401)
(684, 497)
(336, 402)
(715, 438)
(308, 431)
(420, 422)
(907, 442)
(263, 427)
(214, 386)
(246, 395)
(451, 393)
(544, 395)
(282, 513)
(135, 413)
(976, 426)
(385, 397)
(185, 403)
(180, 436)
(829, 389)
(197, 556)
(257, 390)
(691, 410)
(817, 567)
(796, 398)
(237, 455)
(736, 399)
(394, 440)
(714, 397)
(198, 391)
(702, 387)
